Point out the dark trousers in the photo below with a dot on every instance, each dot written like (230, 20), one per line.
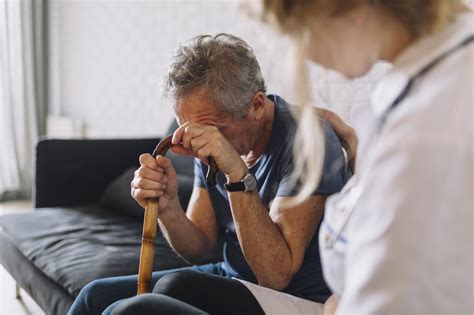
(100, 296)
(194, 293)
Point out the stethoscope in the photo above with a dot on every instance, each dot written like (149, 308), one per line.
(352, 196)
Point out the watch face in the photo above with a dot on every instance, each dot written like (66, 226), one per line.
(250, 182)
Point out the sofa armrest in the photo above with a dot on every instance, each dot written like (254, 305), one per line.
(76, 172)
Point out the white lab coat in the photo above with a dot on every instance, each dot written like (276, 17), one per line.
(398, 239)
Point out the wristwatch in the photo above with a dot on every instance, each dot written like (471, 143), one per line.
(248, 183)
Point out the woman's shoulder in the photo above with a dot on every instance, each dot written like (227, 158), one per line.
(440, 105)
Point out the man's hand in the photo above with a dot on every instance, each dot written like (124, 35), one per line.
(155, 178)
(204, 141)
(345, 133)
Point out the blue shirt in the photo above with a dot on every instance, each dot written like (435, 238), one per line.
(273, 172)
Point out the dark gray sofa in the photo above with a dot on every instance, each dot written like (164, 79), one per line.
(85, 224)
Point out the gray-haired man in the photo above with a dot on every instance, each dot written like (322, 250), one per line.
(224, 113)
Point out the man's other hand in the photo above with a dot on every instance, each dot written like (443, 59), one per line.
(156, 178)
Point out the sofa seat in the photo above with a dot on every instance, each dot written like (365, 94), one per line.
(69, 247)
(75, 246)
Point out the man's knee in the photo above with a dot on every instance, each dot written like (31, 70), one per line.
(93, 290)
(175, 283)
(151, 304)
(133, 305)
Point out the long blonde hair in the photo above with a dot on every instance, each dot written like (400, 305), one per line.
(309, 146)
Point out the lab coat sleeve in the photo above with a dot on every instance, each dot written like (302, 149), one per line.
(417, 205)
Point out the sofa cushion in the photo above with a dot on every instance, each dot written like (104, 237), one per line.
(117, 196)
(75, 246)
(49, 295)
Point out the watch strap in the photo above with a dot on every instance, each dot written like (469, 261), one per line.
(248, 183)
(238, 186)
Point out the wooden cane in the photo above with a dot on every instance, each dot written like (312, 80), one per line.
(150, 222)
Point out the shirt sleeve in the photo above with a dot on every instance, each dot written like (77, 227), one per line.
(335, 168)
(411, 242)
(199, 179)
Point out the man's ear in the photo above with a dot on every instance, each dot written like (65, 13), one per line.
(258, 104)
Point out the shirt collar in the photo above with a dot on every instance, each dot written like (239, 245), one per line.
(416, 57)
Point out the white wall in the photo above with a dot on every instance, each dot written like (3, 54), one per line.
(108, 59)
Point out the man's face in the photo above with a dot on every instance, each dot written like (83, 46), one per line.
(197, 109)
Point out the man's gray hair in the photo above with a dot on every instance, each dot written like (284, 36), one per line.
(223, 65)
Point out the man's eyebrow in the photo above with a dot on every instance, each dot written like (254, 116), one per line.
(205, 121)
(210, 122)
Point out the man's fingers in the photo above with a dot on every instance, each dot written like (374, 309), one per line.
(142, 183)
(188, 131)
(166, 164)
(148, 160)
(203, 154)
(179, 149)
(178, 134)
(186, 140)
(198, 143)
(146, 193)
(192, 132)
(148, 173)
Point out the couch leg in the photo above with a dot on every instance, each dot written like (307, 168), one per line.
(17, 291)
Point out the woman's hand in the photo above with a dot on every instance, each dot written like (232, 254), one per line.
(204, 141)
(155, 178)
(345, 133)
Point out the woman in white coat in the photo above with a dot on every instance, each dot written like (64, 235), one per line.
(398, 239)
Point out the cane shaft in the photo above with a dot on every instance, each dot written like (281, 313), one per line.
(150, 222)
(147, 252)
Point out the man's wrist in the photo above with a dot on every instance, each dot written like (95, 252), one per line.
(173, 206)
(237, 174)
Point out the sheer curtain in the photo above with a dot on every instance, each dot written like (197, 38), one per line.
(22, 92)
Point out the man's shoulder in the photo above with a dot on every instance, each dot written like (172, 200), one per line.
(284, 121)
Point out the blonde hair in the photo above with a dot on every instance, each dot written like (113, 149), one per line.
(309, 146)
(422, 17)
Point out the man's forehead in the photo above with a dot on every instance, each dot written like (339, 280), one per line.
(199, 114)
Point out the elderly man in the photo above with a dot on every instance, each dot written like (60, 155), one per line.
(223, 112)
